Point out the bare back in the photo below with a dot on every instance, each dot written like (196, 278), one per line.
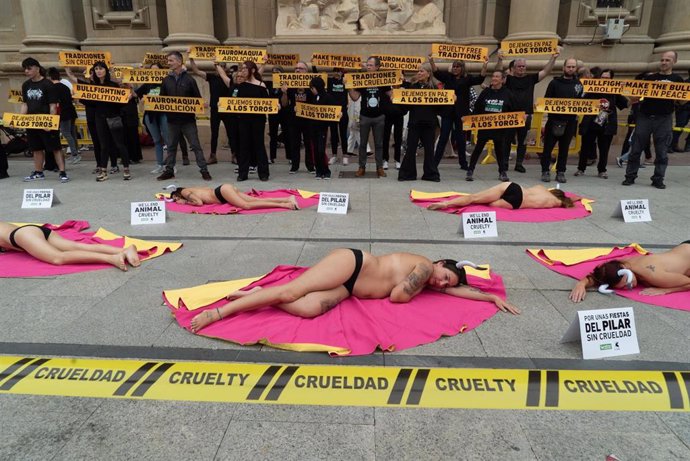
(205, 194)
(5, 230)
(538, 197)
(648, 267)
(380, 274)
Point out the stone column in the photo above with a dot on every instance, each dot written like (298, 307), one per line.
(676, 27)
(49, 26)
(189, 23)
(532, 19)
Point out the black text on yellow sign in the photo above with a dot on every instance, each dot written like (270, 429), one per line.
(236, 54)
(259, 106)
(282, 59)
(602, 85)
(345, 61)
(156, 58)
(180, 104)
(144, 75)
(296, 80)
(516, 389)
(372, 79)
(204, 52)
(568, 106)
(660, 90)
(423, 97)
(318, 112)
(495, 121)
(101, 93)
(459, 52)
(529, 47)
(391, 61)
(15, 97)
(83, 58)
(31, 121)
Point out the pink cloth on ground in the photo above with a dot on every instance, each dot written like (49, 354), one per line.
(519, 215)
(226, 208)
(680, 300)
(359, 326)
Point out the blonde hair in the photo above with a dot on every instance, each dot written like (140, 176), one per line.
(432, 82)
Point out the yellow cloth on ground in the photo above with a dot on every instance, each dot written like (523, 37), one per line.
(141, 245)
(203, 295)
(577, 256)
(302, 193)
(420, 195)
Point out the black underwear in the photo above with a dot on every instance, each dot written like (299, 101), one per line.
(359, 258)
(513, 195)
(46, 234)
(687, 241)
(219, 196)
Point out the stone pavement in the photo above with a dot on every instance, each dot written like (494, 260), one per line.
(115, 314)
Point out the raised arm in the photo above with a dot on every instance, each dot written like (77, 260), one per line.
(549, 65)
(468, 292)
(413, 283)
(195, 69)
(432, 63)
(484, 67)
(499, 61)
(223, 75)
(579, 291)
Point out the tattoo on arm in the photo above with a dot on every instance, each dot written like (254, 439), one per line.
(476, 290)
(650, 267)
(416, 280)
(328, 304)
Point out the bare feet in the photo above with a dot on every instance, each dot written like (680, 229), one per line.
(118, 261)
(132, 256)
(438, 205)
(240, 293)
(293, 201)
(203, 319)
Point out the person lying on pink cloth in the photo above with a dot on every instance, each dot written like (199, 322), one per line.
(348, 272)
(510, 195)
(664, 273)
(227, 193)
(47, 246)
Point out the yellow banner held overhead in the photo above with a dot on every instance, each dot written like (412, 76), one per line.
(345, 61)
(258, 106)
(83, 58)
(297, 80)
(156, 58)
(236, 54)
(602, 85)
(116, 72)
(181, 104)
(101, 93)
(568, 106)
(15, 97)
(372, 79)
(493, 121)
(31, 121)
(424, 97)
(205, 52)
(282, 59)
(529, 47)
(144, 75)
(318, 112)
(459, 52)
(660, 90)
(391, 61)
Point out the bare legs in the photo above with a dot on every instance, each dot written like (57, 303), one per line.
(485, 197)
(246, 202)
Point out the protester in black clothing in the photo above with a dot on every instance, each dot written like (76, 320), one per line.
(233, 82)
(130, 118)
(252, 127)
(298, 128)
(496, 98)
(68, 114)
(560, 128)
(394, 123)
(90, 110)
(274, 121)
(459, 80)
(3, 163)
(682, 119)
(321, 97)
(336, 88)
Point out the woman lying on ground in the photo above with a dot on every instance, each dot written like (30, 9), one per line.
(227, 193)
(664, 273)
(347, 272)
(510, 195)
(47, 246)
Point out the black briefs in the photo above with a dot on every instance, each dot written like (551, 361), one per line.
(46, 234)
(513, 195)
(687, 241)
(219, 196)
(359, 258)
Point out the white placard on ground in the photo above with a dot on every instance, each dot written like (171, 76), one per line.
(636, 210)
(39, 198)
(479, 224)
(604, 332)
(333, 202)
(148, 212)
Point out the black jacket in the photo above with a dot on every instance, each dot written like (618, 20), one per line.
(180, 85)
(561, 87)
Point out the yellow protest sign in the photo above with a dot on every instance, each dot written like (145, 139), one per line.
(236, 54)
(182, 104)
(529, 47)
(83, 58)
(205, 52)
(258, 106)
(602, 85)
(144, 75)
(155, 58)
(424, 97)
(654, 89)
(15, 97)
(296, 80)
(494, 121)
(101, 93)
(391, 61)
(31, 121)
(459, 52)
(568, 106)
(283, 59)
(346, 61)
(318, 112)
(372, 79)
(116, 72)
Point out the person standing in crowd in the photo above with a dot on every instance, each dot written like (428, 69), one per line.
(521, 84)
(130, 119)
(394, 123)
(90, 111)
(422, 126)
(40, 98)
(275, 121)
(655, 119)
(599, 130)
(682, 119)
(252, 127)
(560, 128)
(233, 82)
(217, 89)
(156, 123)
(496, 98)
(371, 118)
(336, 89)
(461, 82)
(180, 83)
(297, 127)
(68, 114)
(323, 98)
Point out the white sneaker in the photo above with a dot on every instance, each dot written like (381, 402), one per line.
(158, 170)
(346, 161)
(332, 160)
(397, 165)
(75, 158)
(385, 165)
